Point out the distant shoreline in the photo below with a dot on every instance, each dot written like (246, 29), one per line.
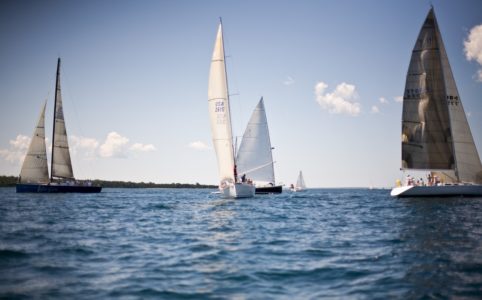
(10, 181)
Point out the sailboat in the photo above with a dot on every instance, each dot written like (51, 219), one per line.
(300, 184)
(254, 157)
(220, 117)
(34, 175)
(436, 136)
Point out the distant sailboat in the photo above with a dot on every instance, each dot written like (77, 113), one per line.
(219, 113)
(34, 175)
(300, 184)
(254, 157)
(436, 136)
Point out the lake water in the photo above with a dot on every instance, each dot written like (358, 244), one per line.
(188, 243)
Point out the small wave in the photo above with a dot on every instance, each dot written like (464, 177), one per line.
(160, 206)
(78, 251)
(12, 254)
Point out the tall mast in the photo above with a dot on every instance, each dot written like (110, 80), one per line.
(227, 94)
(57, 90)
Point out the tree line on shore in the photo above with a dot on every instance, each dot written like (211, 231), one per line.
(12, 180)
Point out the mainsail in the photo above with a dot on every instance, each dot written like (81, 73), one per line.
(34, 167)
(61, 163)
(254, 157)
(219, 111)
(300, 183)
(435, 131)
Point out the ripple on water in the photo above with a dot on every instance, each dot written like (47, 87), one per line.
(164, 243)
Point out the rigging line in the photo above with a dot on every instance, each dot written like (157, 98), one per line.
(69, 96)
(236, 118)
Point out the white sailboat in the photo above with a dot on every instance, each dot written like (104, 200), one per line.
(254, 157)
(436, 136)
(300, 184)
(219, 113)
(34, 175)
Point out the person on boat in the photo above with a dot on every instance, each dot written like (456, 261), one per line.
(243, 178)
(408, 180)
(235, 174)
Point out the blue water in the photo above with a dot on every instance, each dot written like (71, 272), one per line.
(169, 243)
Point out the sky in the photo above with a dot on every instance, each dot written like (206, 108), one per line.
(134, 80)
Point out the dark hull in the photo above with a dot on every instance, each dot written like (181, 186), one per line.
(47, 188)
(269, 190)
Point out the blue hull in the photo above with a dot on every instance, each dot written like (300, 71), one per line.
(47, 188)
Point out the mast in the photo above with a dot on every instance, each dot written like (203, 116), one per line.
(227, 95)
(55, 110)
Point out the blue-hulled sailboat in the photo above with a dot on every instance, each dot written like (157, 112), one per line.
(34, 175)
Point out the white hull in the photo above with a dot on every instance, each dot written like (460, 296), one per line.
(438, 191)
(238, 190)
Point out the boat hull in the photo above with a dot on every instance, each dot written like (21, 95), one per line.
(238, 190)
(438, 191)
(54, 188)
(269, 190)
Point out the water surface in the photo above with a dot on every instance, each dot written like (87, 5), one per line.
(188, 243)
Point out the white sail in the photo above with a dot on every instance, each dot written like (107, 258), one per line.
(34, 167)
(435, 132)
(254, 157)
(219, 111)
(61, 163)
(300, 183)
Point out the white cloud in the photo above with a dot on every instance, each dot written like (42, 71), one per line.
(289, 81)
(142, 147)
(341, 100)
(88, 146)
(18, 148)
(398, 99)
(198, 145)
(473, 48)
(115, 145)
(383, 100)
(479, 75)
(375, 109)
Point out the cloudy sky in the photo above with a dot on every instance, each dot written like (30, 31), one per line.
(135, 74)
